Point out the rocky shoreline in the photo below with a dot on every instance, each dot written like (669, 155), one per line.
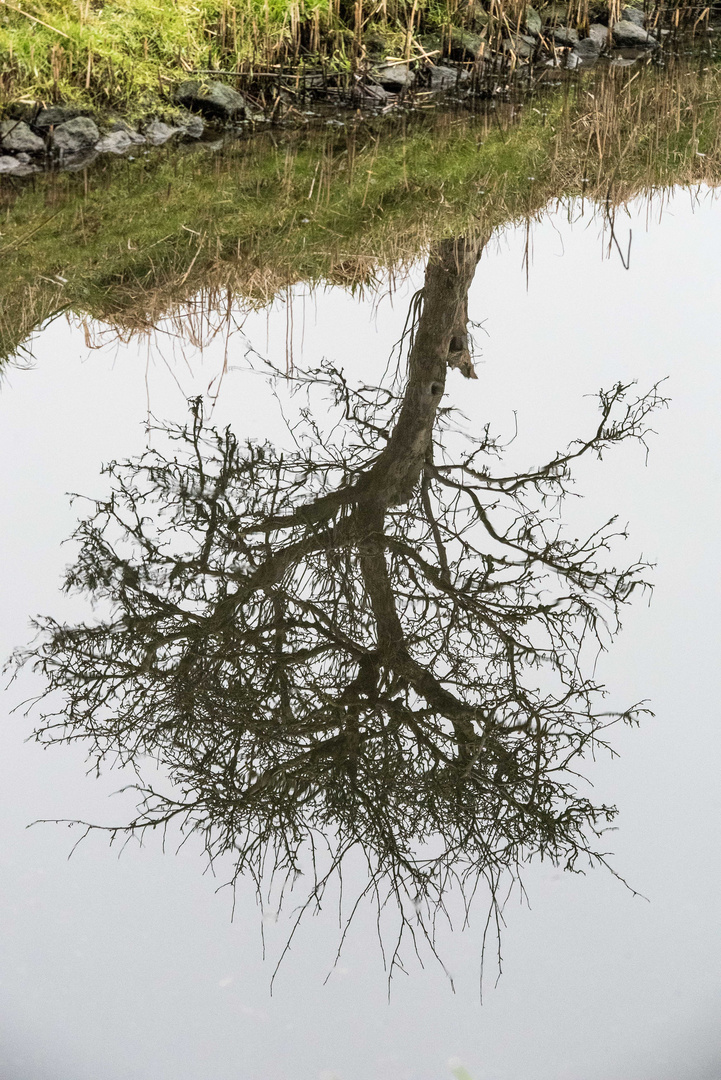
(36, 138)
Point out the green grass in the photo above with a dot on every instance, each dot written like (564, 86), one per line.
(125, 53)
(337, 206)
(128, 54)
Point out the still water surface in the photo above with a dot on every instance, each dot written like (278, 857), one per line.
(132, 967)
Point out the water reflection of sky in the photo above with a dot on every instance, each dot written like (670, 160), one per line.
(131, 968)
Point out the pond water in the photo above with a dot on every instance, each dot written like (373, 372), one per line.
(137, 966)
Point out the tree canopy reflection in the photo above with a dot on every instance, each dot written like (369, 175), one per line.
(372, 642)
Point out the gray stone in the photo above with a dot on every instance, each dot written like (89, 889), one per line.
(17, 137)
(564, 35)
(81, 160)
(74, 136)
(587, 50)
(14, 166)
(135, 137)
(599, 33)
(10, 165)
(213, 99)
(443, 78)
(115, 142)
(157, 133)
(395, 77)
(193, 127)
(54, 115)
(627, 35)
(634, 15)
(533, 21)
(368, 94)
(522, 45)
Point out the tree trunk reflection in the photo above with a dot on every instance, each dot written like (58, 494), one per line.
(372, 642)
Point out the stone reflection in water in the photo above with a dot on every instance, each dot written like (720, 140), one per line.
(375, 641)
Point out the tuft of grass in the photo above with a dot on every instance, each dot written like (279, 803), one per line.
(338, 206)
(125, 54)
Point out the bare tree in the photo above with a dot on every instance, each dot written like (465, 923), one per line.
(375, 642)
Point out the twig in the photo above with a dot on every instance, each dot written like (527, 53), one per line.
(35, 19)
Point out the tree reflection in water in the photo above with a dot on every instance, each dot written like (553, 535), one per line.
(374, 642)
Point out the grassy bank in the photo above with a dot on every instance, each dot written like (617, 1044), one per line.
(338, 206)
(125, 53)
(128, 54)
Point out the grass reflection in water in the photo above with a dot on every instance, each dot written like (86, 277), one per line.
(132, 242)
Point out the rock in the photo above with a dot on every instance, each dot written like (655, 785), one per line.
(10, 165)
(634, 15)
(464, 45)
(135, 137)
(599, 33)
(368, 94)
(533, 21)
(157, 133)
(54, 115)
(78, 161)
(15, 135)
(74, 136)
(193, 127)
(587, 50)
(115, 142)
(443, 78)
(522, 45)
(15, 166)
(564, 35)
(627, 35)
(213, 99)
(395, 77)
